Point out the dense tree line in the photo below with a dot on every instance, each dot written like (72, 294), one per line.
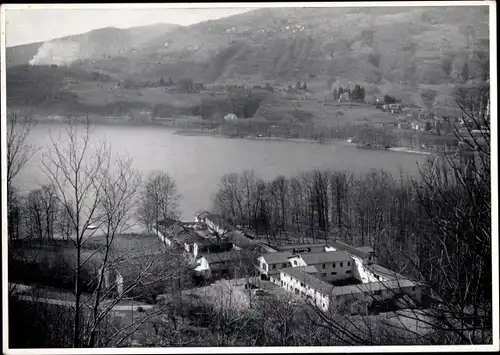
(356, 94)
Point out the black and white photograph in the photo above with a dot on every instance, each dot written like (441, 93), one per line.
(249, 177)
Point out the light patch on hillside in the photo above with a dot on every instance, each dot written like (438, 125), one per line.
(56, 52)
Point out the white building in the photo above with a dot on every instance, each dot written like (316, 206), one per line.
(230, 117)
(338, 276)
(271, 263)
(331, 266)
(214, 222)
(213, 264)
(302, 248)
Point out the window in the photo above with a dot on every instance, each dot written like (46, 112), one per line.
(302, 284)
(274, 266)
(334, 265)
(323, 274)
(323, 266)
(377, 292)
(283, 265)
(341, 264)
(295, 262)
(333, 273)
(348, 271)
(348, 263)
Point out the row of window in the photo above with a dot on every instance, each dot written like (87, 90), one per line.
(303, 293)
(323, 266)
(273, 266)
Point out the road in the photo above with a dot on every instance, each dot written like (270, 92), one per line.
(128, 307)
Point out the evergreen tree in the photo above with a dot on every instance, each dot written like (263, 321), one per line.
(297, 86)
(356, 93)
(304, 87)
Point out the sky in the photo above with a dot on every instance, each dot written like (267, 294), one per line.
(33, 25)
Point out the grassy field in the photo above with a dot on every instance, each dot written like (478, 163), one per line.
(52, 263)
(97, 93)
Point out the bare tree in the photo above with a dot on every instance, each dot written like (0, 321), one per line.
(75, 171)
(42, 208)
(18, 154)
(160, 199)
(117, 206)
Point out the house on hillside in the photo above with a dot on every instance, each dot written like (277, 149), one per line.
(418, 125)
(395, 107)
(344, 97)
(230, 117)
(228, 264)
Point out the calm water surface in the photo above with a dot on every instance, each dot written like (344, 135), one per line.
(198, 162)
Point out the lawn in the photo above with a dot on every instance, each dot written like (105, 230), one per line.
(52, 263)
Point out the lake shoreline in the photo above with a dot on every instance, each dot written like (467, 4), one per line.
(122, 121)
(298, 140)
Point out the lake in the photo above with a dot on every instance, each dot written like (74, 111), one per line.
(198, 162)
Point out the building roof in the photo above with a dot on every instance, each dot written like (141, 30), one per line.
(310, 269)
(383, 272)
(309, 280)
(266, 247)
(202, 214)
(222, 257)
(219, 221)
(325, 257)
(205, 241)
(239, 239)
(349, 249)
(372, 287)
(298, 246)
(365, 249)
(167, 222)
(278, 257)
(189, 236)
